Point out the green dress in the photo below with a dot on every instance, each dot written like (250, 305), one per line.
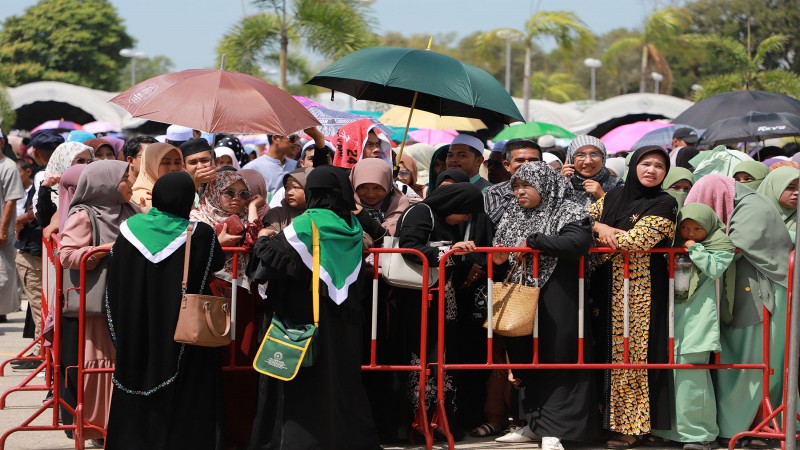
(758, 231)
(675, 175)
(773, 186)
(697, 332)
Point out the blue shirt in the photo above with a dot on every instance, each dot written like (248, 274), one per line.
(272, 170)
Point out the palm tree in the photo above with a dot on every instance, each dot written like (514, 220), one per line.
(557, 87)
(332, 28)
(564, 26)
(749, 69)
(661, 30)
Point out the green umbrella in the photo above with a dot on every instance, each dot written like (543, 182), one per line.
(397, 132)
(421, 79)
(533, 129)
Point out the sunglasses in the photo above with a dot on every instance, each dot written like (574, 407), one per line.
(243, 195)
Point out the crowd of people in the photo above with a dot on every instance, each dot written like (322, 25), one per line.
(139, 199)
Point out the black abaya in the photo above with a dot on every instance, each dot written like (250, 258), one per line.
(144, 301)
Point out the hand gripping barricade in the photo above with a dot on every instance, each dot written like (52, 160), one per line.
(768, 426)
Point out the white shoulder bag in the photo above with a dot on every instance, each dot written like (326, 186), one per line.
(398, 272)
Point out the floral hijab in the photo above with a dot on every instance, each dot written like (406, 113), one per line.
(555, 211)
(210, 211)
(62, 157)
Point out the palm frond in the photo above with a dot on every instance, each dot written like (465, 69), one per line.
(780, 81)
(772, 44)
(664, 25)
(719, 84)
(565, 27)
(246, 44)
(333, 28)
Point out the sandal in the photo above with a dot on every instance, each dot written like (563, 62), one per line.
(622, 441)
(754, 442)
(484, 430)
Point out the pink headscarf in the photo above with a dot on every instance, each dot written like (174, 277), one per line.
(66, 190)
(116, 144)
(258, 186)
(717, 191)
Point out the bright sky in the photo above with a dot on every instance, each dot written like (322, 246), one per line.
(187, 31)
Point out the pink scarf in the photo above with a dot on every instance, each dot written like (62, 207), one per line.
(717, 191)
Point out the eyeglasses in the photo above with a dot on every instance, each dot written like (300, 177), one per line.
(243, 195)
(404, 172)
(584, 156)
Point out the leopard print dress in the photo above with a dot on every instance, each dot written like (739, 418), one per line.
(628, 391)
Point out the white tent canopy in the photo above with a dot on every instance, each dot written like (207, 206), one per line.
(623, 105)
(92, 101)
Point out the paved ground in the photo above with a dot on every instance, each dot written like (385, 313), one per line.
(21, 405)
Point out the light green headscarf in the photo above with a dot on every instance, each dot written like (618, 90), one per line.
(755, 169)
(674, 175)
(716, 240)
(773, 186)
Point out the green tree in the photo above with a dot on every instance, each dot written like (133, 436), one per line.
(333, 28)
(74, 41)
(661, 31)
(557, 87)
(8, 115)
(750, 71)
(146, 67)
(563, 26)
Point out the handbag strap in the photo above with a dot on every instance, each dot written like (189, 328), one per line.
(189, 230)
(315, 271)
(184, 283)
(430, 211)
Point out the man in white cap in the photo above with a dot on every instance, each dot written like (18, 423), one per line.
(177, 135)
(466, 155)
(547, 142)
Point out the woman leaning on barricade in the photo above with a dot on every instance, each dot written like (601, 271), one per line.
(559, 404)
(638, 216)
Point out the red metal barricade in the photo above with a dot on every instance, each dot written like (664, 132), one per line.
(44, 356)
(439, 420)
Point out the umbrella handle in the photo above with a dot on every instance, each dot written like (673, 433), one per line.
(405, 133)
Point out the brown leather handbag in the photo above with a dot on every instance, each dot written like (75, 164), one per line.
(204, 320)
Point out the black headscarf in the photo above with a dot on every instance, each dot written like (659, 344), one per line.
(454, 174)
(625, 205)
(328, 187)
(174, 193)
(234, 144)
(684, 156)
(459, 198)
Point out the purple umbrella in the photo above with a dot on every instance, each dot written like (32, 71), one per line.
(101, 126)
(433, 137)
(64, 125)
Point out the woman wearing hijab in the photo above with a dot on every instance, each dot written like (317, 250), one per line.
(559, 404)
(408, 175)
(226, 157)
(780, 186)
(710, 252)
(258, 186)
(102, 149)
(637, 216)
(233, 143)
(157, 160)
(293, 203)
(168, 395)
(226, 200)
(332, 387)
(434, 227)
(117, 144)
(757, 229)
(375, 191)
(437, 166)
(102, 198)
(678, 183)
(450, 176)
(46, 204)
(586, 172)
(750, 173)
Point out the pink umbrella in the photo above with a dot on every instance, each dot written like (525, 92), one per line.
(64, 125)
(623, 138)
(433, 137)
(101, 126)
(307, 102)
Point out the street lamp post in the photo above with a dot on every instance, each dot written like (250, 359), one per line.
(593, 64)
(657, 77)
(510, 36)
(132, 54)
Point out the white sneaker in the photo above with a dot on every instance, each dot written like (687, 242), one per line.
(519, 435)
(551, 443)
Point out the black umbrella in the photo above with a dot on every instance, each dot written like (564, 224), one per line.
(753, 126)
(732, 104)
